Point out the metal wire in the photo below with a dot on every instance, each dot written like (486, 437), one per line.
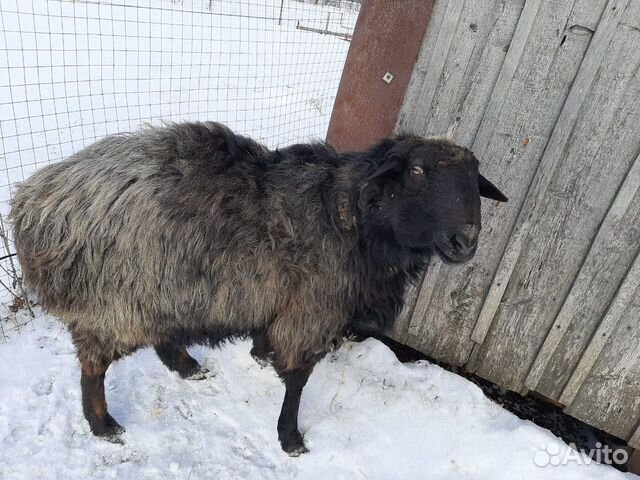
(72, 72)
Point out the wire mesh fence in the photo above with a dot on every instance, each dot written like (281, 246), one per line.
(72, 72)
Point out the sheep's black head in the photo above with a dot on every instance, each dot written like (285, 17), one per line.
(425, 196)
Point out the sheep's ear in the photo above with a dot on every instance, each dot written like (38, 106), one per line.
(392, 164)
(489, 190)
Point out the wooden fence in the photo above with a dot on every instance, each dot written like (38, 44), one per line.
(547, 95)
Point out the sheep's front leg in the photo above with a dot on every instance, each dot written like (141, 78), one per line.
(288, 433)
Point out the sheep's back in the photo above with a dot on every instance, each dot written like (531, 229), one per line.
(179, 228)
(128, 230)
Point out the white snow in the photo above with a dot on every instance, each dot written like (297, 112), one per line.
(364, 415)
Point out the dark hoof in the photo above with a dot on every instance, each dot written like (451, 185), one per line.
(262, 361)
(199, 373)
(293, 445)
(190, 369)
(362, 329)
(115, 439)
(297, 451)
(108, 429)
(262, 356)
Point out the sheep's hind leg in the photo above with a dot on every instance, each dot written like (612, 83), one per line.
(176, 358)
(94, 403)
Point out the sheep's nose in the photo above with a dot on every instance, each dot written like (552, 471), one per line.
(465, 239)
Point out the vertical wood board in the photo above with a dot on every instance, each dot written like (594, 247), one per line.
(480, 33)
(608, 396)
(531, 96)
(613, 250)
(452, 94)
(588, 156)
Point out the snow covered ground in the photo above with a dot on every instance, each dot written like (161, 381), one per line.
(364, 415)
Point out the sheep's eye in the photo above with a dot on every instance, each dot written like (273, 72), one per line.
(416, 170)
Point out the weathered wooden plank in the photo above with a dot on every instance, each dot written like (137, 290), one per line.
(414, 301)
(588, 155)
(531, 98)
(512, 253)
(461, 87)
(604, 387)
(439, 37)
(617, 308)
(613, 250)
(505, 78)
(424, 296)
(454, 103)
(411, 109)
(634, 441)
(401, 326)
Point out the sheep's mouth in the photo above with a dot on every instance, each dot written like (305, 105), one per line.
(450, 254)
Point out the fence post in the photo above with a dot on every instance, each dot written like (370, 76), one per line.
(383, 51)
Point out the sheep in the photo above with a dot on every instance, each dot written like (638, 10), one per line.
(189, 233)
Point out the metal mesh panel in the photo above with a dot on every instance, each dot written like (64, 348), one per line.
(72, 72)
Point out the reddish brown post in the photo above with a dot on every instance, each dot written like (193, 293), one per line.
(383, 51)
